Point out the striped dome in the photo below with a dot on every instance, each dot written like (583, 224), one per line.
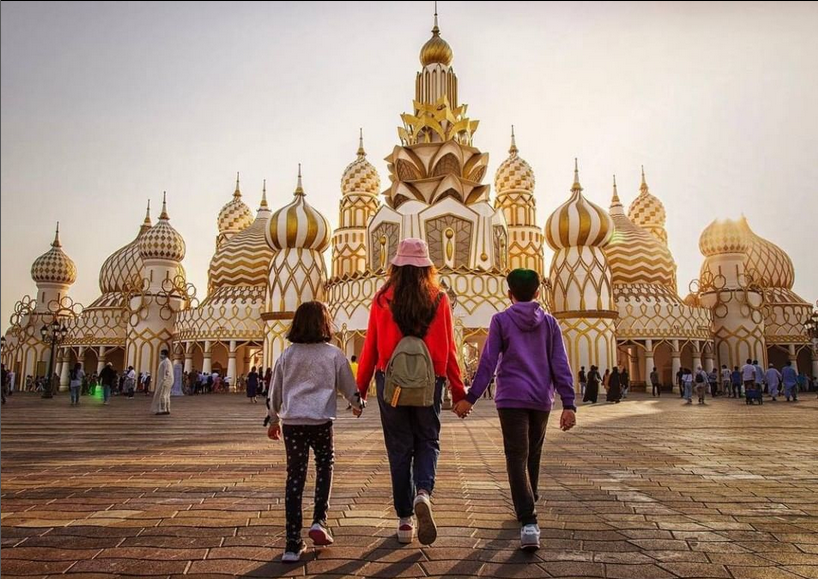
(235, 215)
(298, 225)
(636, 256)
(648, 212)
(721, 237)
(770, 265)
(54, 266)
(513, 174)
(162, 241)
(125, 263)
(244, 259)
(360, 176)
(578, 222)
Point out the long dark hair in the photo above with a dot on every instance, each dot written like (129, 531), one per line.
(75, 371)
(413, 297)
(312, 324)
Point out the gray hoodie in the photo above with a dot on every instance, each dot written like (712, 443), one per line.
(305, 380)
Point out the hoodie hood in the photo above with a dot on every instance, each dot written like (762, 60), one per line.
(527, 316)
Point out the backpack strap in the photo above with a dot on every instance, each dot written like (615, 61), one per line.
(428, 323)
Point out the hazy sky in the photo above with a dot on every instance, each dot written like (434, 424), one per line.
(107, 105)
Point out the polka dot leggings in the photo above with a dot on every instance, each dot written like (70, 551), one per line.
(298, 439)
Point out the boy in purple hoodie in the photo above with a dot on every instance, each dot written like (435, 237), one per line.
(526, 350)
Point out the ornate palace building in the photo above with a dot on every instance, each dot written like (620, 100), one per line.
(609, 276)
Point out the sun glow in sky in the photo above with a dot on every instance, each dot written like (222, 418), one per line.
(106, 105)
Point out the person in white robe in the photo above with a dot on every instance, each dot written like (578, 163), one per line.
(164, 384)
(773, 379)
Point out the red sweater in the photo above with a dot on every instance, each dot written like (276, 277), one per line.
(383, 335)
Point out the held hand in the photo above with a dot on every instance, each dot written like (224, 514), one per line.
(274, 432)
(462, 408)
(568, 419)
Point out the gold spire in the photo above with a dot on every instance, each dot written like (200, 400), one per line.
(644, 186)
(576, 186)
(56, 242)
(436, 50)
(361, 152)
(237, 192)
(264, 196)
(146, 224)
(164, 214)
(615, 199)
(435, 29)
(299, 189)
(513, 149)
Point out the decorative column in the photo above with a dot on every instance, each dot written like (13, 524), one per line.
(101, 358)
(207, 366)
(231, 365)
(709, 358)
(675, 363)
(648, 366)
(66, 365)
(188, 357)
(697, 355)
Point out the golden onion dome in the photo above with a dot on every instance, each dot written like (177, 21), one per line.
(636, 256)
(769, 264)
(514, 174)
(244, 258)
(125, 264)
(578, 222)
(235, 215)
(721, 237)
(360, 176)
(54, 266)
(648, 211)
(162, 241)
(436, 50)
(298, 225)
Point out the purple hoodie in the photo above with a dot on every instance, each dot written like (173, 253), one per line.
(528, 344)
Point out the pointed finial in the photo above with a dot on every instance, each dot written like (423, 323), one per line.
(299, 189)
(615, 199)
(56, 242)
(576, 186)
(264, 196)
(644, 186)
(361, 152)
(237, 192)
(435, 29)
(513, 149)
(148, 214)
(164, 214)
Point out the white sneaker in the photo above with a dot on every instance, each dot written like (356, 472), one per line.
(406, 530)
(293, 556)
(530, 538)
(320, 535)
(427, 530)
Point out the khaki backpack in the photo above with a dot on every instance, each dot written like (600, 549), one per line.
(410, 374)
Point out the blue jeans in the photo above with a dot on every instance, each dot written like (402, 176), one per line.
(75, 394)
(106, 393)
(688, 392)
(412, 438)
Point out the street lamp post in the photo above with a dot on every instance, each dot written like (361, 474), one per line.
(52, 334)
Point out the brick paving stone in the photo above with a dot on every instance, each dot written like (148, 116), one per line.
(639, 490)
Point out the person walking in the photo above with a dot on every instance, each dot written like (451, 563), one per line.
(726, 381)
(592, 390)
(772, 378)
(411, 310)
(655, 385)
(625, 382)
(701, 382)
(735, 381)
(583, 380)
(687, 383)
(148, 380)
(526, 352)
(759, 376)
(75, 383)
(614, 386)
(789, 378)
(107, 378)
(130, 381)
(606, 381)
(252, 385)
(748, 376)
(164, 384)
(713, 382)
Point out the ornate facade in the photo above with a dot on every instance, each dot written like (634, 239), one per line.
(611, 281)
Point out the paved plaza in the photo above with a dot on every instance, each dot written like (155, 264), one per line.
(644, 489)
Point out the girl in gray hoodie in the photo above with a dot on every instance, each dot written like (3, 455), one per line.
(302, 403)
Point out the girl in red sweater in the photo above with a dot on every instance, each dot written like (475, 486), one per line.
(411, 304)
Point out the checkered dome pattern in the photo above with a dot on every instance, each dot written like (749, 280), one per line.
(235, 216)
(162, 241)
(647, 210)
(514, 174)
(54, 266)
(360, 177)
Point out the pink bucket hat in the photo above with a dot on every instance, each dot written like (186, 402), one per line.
(412, 251)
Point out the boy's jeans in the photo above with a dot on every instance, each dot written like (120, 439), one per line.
(75, 394)
(412, 438)
(688, 392)
(106, 393)
(523, 436)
